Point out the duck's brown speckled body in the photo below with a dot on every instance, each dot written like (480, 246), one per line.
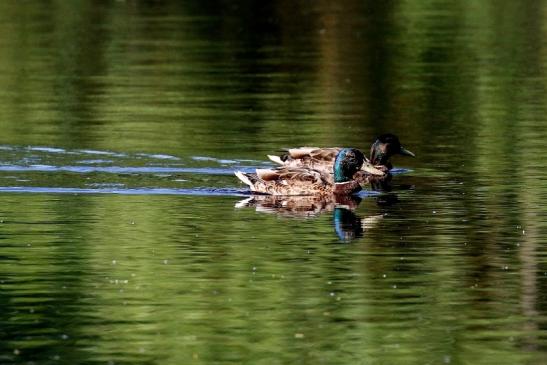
(288, 180)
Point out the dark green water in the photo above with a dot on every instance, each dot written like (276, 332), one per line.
(123, 235)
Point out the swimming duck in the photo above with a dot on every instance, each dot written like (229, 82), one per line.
(322, 159)
(288, 180)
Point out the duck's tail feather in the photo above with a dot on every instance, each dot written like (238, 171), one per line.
(245, 178)
(276, 159)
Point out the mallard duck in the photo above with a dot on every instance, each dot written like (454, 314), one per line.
(287, 180)
(322, 159)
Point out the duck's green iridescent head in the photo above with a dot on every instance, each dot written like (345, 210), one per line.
(347, 163)
(386, 146)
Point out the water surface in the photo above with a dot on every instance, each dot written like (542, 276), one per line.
(126, 239)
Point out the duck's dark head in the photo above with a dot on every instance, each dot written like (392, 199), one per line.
(386, 146)
(347, 163)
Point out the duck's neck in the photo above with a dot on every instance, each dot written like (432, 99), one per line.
(379, 158)
(340, 175)
(378, 155)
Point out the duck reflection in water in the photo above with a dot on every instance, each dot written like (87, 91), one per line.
(347, 225)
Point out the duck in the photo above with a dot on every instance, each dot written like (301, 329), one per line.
(322, 159)
(347, 176)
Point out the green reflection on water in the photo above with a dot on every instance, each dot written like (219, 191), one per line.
(453, 273)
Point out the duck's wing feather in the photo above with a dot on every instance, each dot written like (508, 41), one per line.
(324, 154)
(292, 175)
(315, 158)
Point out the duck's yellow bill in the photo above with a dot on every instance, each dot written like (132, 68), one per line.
(368, 168)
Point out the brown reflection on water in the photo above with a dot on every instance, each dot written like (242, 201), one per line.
(347, 224)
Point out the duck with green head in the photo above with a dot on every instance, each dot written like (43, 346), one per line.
(383, 148)
(289, 180)
(322, 159)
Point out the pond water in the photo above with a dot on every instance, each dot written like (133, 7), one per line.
(125, 238)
